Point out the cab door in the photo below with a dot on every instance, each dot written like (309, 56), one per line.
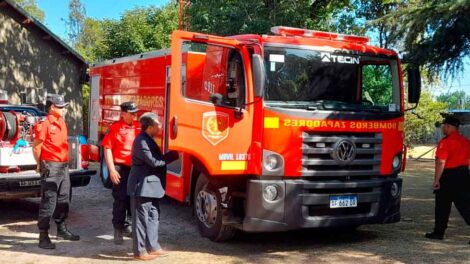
(209, 118)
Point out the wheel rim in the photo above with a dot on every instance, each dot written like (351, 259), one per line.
(206, 208)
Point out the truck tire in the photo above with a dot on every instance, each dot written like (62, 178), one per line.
(208, 211)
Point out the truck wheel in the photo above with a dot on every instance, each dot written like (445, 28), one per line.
(208, 212)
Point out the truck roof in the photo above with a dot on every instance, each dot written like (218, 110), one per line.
(283, 36)
(135, 57)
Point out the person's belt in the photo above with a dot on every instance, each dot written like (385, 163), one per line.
(457, 168)
(56, 164)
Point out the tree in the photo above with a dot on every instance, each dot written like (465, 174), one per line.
(32, 8)
(91, 41)
(420, 123)
(76, 21)
(229, 17)
(455, 100)
(139, 30)
(433, 33)
(371, 11)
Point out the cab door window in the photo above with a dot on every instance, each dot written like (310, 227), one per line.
(213, 74)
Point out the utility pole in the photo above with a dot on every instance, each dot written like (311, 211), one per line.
(183, 19)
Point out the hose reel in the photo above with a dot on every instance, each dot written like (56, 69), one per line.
(8, 126)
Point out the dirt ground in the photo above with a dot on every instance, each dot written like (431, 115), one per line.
(91, 217)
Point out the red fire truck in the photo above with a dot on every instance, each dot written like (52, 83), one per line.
(296, 129)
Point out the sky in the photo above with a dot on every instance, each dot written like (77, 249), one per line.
(57, 10)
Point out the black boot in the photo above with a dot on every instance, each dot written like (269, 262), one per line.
(118, 240)
(45, 241)
(64, 233)
(434, 235)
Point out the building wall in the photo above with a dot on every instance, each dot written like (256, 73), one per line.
(32, 62)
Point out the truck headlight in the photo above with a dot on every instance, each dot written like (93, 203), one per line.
(270, 193)
(395, 190)
(271, 162)
(396, 162)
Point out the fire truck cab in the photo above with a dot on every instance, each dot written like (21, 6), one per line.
(297, 129)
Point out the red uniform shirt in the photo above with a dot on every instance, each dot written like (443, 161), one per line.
(53, 134)
(454, 149)
(119, 139)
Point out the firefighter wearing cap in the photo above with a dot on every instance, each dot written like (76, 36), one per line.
(451, 177)
(117, 146)
(51, 151)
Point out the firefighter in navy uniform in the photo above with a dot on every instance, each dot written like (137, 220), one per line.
(117, 146)
(451, 177)
(51, 151)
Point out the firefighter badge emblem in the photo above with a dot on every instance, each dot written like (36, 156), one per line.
(215, 126)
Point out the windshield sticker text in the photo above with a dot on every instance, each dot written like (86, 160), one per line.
(328, 57)
(339, 124)
(276, 58)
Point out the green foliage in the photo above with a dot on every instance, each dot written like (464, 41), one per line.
(455, 100)
(90, 43)
(32, 8)
(377, 84)
(230, 17)
(433, 33)
(86, 105)
(139, 30)
(420, 123)
(372, 10)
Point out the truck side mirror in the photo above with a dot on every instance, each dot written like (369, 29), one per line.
(414, 85)
(216, 98)
(259, 75)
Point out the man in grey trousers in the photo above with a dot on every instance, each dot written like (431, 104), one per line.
(146, 184)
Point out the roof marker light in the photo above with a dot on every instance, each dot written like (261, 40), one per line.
(290, 31)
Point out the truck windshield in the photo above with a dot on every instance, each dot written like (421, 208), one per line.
(320, 80)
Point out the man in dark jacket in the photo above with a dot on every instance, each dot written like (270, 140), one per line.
(145, 186)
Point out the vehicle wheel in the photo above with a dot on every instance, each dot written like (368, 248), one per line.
(208, 211)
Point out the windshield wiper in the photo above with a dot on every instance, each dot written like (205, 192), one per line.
(371, 108)
(331, 105)
(326, 105)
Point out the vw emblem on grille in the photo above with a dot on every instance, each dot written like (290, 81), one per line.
(344, 151)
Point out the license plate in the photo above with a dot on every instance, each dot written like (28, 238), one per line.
(343, 201)
(30, 183)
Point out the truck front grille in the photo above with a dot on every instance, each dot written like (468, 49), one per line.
(319, 154)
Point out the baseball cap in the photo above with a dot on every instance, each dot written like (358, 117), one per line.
(451, 121)
(56, 100)
(129, 107)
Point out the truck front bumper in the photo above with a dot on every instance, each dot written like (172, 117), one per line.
(306, 204)
(28, 183)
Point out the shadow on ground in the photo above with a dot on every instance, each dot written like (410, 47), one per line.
(91, 217)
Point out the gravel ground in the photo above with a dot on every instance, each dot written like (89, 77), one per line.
(91, 217)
